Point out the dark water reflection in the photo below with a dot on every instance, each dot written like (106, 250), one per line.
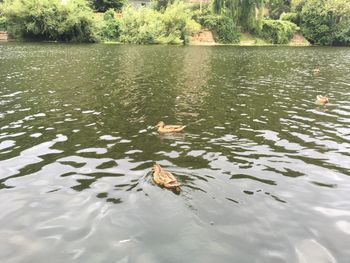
(264, 171)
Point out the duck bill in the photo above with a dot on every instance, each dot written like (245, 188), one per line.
(177, 190)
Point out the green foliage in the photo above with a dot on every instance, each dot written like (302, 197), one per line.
(109, 27)
(104, 5)
(50, 20)
(317, 23)
(200, 15)
(200, 8)
(148, 26)
(297, 5)
(278, 7)
(3, 24)
(161, 5)
(141, 27)
(224, 29)
(247, 14)
(278, 31)
(291, 17)
(326, 22)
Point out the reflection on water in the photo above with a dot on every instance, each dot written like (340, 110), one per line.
(264, 171)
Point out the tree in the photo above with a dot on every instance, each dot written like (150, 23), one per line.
(326, 22)
(104, 5)
(277, 7)
(161, 4)
(246, 13)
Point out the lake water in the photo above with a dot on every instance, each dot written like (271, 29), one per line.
(265, 172)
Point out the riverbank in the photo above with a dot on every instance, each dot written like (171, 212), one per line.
(205, 38)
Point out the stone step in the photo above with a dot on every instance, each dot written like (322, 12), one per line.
(202, 36)
(3, 36)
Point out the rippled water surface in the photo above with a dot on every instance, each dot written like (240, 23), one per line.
(265, 172)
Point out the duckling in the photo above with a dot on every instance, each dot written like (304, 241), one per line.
(316, 70)
(165, 178)
(162, 128)
(321, 99)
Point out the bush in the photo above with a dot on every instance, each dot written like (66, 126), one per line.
(109, 27)
(141, 27)
(224, 29)
(3, 24)
(278, 31)
(50, 20)
(326, 22)
(148, 26)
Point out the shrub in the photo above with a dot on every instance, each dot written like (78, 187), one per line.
(50, 20)
(148, 26)
(224, 29)
(109, 27)
(278, 31)
(141, 27)
(178, 21)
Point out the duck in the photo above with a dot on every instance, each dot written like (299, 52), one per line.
(321, 99)
(162, 128)
(165, 178)
(316, 70)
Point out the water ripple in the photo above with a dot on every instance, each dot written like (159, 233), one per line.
(262, 168)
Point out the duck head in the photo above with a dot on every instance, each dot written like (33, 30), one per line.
(156, 167)
(160, 124)
(322, 99)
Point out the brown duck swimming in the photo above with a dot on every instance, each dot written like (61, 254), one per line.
(165, 178)
(162, 128)
(321, 99)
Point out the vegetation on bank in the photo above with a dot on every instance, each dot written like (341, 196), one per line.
(50, 20)
(172, 25)
(325, 22)
(278, 31)
(322, 22)
(3, 24)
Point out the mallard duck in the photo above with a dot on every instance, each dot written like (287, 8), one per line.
(164, 178)
(321, 99)
(162, 128)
